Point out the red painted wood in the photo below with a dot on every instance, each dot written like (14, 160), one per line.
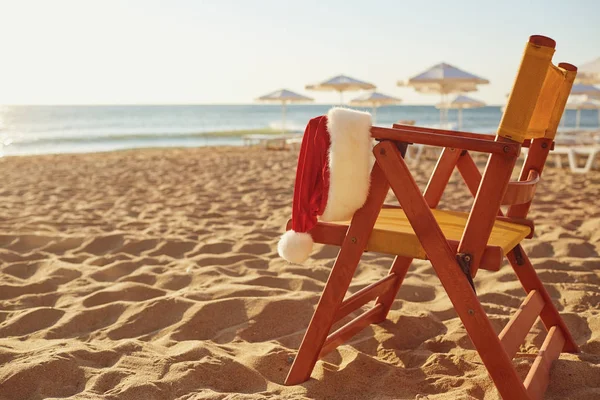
(542, 41)
(521, 221)
(452, 133)
(536, 159)
(472, 178)
(334, 234)
(469, 172)
(326, 233)
(538, 378)
(441, 175)
(433, 139)
(531, 281)
(339, 279)
(521, 192)
(399, 269)
(451, 276)
(515, 331)
(486, 206)
(350, 329)
(525, 272)
(365, 295)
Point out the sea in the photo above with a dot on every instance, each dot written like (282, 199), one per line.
(27, 130)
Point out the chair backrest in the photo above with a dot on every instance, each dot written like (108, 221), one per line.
(534, 109)
(539, 95)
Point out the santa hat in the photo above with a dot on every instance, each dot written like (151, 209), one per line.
(332, 179)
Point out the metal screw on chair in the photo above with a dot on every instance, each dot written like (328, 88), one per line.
(353, 239)
(544, 145)
(467, 257)
(506, 149)
(471, 312)
(382, 152)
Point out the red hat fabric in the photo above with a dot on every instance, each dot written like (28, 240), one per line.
(332, 178)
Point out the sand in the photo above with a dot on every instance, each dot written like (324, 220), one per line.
(153, 274)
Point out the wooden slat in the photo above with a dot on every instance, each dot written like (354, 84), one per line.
(365, 295)
(339, 280)
(469, 172)
(481, 220)
(399, 268)
(440, 176)
(521, 322)
(350, 329)
(538, 377)
(535, 161)
(525, 143)
(531, 281)
(406, 244)
(443, 260)
(519, 221)
(521, 192)
(439, 140)
(334, 234)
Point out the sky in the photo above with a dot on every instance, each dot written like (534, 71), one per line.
(231, 52)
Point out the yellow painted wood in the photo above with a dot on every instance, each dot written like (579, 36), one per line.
(393, 233)
(561, 102)
(525, 92)
(546, 103)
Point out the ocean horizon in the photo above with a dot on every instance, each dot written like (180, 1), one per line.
(46, 129)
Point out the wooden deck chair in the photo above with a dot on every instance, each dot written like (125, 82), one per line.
(457, 244)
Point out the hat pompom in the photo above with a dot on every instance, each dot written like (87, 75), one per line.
(295, 247)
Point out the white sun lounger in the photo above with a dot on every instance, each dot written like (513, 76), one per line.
(271, 141)
(572, 153)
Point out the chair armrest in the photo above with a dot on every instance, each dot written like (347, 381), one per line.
(409, 135)
(526, 142)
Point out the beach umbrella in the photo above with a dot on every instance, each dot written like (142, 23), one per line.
(585, 90)
(583, 103)
(589, 73)
(374, 99)
(341, 84)
(284, 97)
(444, 79)
(460, 102)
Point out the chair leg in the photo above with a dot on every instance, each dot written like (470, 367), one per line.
(400, 268)
(454, 281)
(531, 281)
(323, 318)
(339, 280)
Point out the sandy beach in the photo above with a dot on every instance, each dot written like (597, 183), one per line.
(153, 274)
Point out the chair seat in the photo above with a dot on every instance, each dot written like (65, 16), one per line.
(393, 233)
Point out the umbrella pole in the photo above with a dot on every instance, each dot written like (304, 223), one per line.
(459, 118)
(578, 118)
(283, 104)
(442, 111)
